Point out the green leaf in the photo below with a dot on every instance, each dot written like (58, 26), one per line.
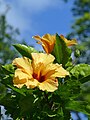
(2, 91)
(80, 106)
(7, 80)
(10, 103)
(26, 104)
(69, 90)
(18, 90)
(7, 69)
(85, 79)
(24, 50)
(24, 91)
(61, 52)
(80, 71)
(6, 74)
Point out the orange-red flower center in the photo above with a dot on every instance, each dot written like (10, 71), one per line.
(39, 78)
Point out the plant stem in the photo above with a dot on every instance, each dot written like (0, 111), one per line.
(46, 98)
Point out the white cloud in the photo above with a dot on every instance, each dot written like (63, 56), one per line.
(2, 7)
(18, 19)
(37, 5)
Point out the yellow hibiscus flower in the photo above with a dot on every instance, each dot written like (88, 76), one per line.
(40, 72)
(48, 41)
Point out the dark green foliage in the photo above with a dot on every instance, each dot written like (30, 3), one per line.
(2, 91)
(81, 106)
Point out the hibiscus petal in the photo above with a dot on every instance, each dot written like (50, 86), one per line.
(69, 42)
(49, 85)
(47, 41)
(32, 83)
(23, 63)
(20, 78)
(50, 38)
(60, 72)
(42, 58)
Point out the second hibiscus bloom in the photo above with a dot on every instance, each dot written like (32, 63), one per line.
(48, 41)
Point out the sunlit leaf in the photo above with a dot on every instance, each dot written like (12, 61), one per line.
(24, 50)
(81, 72)
(61, 52)
(7, 69)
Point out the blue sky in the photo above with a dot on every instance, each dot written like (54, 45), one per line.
(34, 17)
